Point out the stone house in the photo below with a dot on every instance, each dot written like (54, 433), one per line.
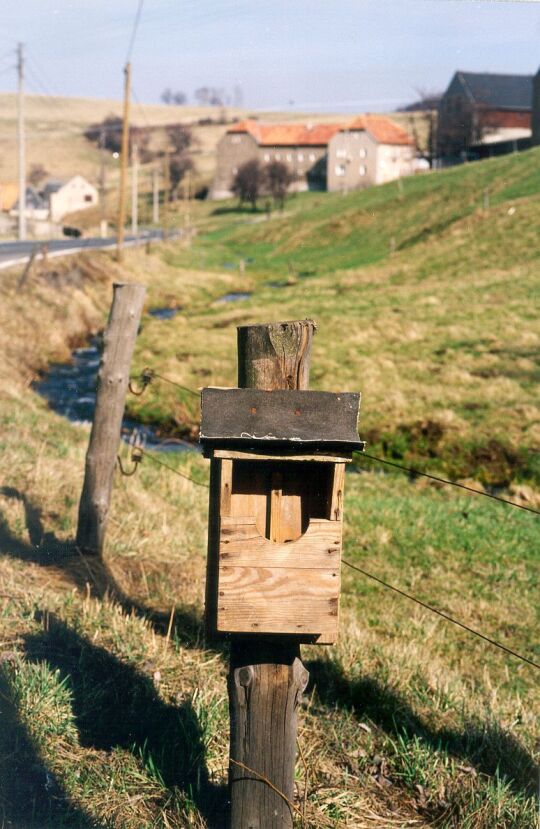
(370, 150)
(302, 147)
(319, 156)
(484, 112)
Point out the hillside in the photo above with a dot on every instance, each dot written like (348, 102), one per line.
(408, 721)
(435, 293)
(56, 125)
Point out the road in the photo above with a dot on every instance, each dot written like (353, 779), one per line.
(14, 253)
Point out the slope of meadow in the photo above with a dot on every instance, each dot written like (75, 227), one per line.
(115, 708)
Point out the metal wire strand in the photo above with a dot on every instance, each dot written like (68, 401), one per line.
(176, 471)
(440, 613)
(146, 377)
(178, 385)
(412, 471)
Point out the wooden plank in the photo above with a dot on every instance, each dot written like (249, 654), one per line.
(336, 500)
(242, 545)
(291, 417)
(212, 561)
(251, 602)
(226, 486)
(247, 455)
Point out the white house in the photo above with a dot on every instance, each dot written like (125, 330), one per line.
(69, 196)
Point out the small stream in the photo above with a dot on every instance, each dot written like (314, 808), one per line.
(70, 390)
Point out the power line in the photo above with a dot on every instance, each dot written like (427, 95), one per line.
(412, 471)
(134, 32)
(440, 613)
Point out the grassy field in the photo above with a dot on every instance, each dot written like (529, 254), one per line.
(110, 722)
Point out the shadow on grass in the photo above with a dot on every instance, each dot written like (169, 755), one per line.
(483, 745)
(90, 572)
(30, 796)
(238, 210)
(117, 706)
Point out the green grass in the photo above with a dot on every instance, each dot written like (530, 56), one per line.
(441, 336)
(109, 722)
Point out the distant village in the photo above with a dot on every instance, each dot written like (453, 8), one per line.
(480, 115)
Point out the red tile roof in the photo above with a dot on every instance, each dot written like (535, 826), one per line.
(382, 129)
(287, 135)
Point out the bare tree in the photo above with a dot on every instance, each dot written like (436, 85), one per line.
(461, 125)
(248, 182)
(423, 122)
(180, 138)
(169, 97)
(277, 178)
(37, 174)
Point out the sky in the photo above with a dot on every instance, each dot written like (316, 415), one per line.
(311, 55)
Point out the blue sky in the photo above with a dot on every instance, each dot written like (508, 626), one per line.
(348, 56)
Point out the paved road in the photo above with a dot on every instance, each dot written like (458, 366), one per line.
(12, 253)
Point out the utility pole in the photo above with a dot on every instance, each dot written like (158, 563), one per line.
(135, 190)
(103, 183)
(21, 142)
(123, 165)
(155, 196)
(166, 193)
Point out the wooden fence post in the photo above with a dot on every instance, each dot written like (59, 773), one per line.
(266, 676)
(113, 378)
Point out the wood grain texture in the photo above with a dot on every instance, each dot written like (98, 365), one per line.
(266, 682)
(248, 455)
(266, 677)
(113, 377)
(242, 545)
(276, 355)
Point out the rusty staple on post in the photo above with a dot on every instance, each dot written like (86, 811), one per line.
(146, 377)
(136, 442)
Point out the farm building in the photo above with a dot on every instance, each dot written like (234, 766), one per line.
(67, 197)
(369, 150)
(56, 199)
(485, 114)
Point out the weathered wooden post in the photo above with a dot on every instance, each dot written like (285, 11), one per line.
(277, 471)
(113, 377)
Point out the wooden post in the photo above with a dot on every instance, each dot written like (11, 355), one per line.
(113, 378)
(266, 677)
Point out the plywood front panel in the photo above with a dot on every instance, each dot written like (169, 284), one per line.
(241, 544)
(272, 587)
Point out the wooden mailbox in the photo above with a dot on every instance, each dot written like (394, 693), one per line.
(276, 509)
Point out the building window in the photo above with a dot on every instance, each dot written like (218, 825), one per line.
(267, 156)
(236, 139)
(300, 156)
(289, 156)
(363, 152)
(312, 156)
(340, 169)
(88, 197)
(362, 170)
(341, 153)
(278, 156)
